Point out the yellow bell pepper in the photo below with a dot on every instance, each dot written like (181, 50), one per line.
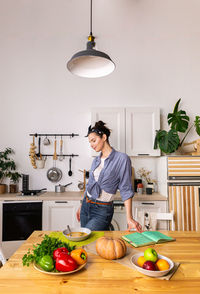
(79, 255)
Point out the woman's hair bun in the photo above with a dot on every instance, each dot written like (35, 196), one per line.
(99, 124)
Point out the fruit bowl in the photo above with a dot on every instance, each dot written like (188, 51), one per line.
(149, 273)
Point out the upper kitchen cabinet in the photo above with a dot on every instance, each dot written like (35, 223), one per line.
(141, 126)
(133, 128)
(115, 120)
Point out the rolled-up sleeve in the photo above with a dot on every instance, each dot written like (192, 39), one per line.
(125, 184)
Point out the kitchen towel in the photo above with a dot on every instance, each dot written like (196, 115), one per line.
(126, 261)
(93, 237)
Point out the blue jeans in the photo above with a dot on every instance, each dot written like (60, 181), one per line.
(96, 217)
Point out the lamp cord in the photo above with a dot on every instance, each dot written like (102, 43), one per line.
(90, 17)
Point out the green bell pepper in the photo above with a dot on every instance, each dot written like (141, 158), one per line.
(46, 262)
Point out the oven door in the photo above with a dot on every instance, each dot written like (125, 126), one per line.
(20, 219)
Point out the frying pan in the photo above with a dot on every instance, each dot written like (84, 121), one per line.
(54, 174)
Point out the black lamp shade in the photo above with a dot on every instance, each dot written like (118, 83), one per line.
(91, 63)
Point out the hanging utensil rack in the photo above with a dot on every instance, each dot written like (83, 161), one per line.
(67, 155)
(56, 135)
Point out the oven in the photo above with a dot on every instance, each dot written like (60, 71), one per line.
(183, 191)
(18, 220)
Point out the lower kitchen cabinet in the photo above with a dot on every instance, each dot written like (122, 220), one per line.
(58, 214)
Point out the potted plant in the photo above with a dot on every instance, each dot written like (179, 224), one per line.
(145, 175)
(178, 120)
(8, 170)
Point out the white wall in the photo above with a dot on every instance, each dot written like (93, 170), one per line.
(154, 43)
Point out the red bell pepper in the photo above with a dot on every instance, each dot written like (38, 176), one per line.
(66, 263)
(59, 252)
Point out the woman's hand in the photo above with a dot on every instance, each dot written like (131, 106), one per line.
(132, 224)
(78, 214)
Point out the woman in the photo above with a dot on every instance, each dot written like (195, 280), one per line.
(111, 170)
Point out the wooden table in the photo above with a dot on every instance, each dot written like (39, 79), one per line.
(103, 276)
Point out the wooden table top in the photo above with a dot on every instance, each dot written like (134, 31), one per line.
(104, 276)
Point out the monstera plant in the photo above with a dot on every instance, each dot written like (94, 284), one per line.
(169, 141)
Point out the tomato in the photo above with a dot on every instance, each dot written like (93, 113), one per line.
(59, 252)
(46, 263)
(66, 263)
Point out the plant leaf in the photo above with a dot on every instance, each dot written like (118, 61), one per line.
(176, 106)
(178, 120)
(197, 124)
(168, 142)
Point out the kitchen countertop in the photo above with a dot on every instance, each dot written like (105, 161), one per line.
(73, 195)
(105, 276)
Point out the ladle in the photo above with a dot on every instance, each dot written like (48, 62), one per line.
(70, 232)
(70, 168)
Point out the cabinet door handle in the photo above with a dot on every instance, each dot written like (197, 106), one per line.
(149, 203)
(145, 154)
(61, 201)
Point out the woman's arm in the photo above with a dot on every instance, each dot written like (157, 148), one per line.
(132, 224)
(78, 214)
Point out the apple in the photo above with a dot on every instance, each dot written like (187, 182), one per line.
(149, 265)
(150, 254)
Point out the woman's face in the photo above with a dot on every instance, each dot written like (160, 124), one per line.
(96, 142)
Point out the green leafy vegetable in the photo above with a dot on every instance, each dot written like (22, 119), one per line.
(46, 247)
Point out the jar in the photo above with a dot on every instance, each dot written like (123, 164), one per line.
(151, 185)
(13, 187)
(140, 188)
(3, 188)
(136, 182)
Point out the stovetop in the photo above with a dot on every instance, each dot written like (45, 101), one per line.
(32, 192)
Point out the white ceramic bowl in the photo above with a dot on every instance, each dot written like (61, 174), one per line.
(80, 238)
(135, 257)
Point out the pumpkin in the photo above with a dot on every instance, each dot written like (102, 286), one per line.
(110, 248)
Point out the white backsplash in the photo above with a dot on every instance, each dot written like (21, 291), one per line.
(158, 168)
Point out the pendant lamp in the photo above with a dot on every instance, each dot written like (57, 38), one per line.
(90, 63)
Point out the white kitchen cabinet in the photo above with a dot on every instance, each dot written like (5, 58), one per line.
(151, 206)
(58, 214)
(141, 126)
(114, 117)
(133, 128)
